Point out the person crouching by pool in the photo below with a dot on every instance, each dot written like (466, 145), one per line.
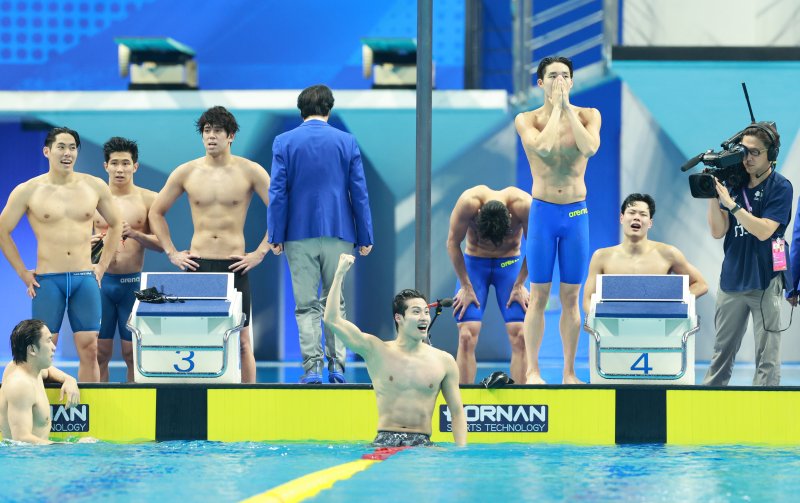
(407, 373)
(24, 407)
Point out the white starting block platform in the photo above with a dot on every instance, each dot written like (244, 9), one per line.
(641, 330)
(192, 340)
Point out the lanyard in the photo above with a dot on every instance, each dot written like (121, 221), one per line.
(747, 202)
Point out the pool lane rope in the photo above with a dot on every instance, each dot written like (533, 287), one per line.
(312, 484)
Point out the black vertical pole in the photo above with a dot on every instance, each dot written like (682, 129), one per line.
(424, 98)
(473, 44)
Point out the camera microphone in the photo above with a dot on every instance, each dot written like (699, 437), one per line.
(438, 305)
(692, 162)
(441, 303)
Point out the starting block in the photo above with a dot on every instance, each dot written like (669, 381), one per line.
(641, 330)
(192, 340)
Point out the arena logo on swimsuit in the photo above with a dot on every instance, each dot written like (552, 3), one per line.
(582, 211)
(509, 262)
(499, 418)
(75, 419)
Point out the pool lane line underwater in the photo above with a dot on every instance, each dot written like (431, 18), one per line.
(312, 484)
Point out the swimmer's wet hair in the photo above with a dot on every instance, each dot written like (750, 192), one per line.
(120, 144)
(51, 136)
(545, 62)
(635, 198)
(494, 221)
(315, 100)
(26, 333)
(220, 117)
(399, 305)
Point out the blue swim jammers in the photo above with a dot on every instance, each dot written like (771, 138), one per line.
(75, 292)
(117, 296)
(557, 230)
(484, 272)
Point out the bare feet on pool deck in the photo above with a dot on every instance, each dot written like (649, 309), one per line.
(572, 379)
(533, 377)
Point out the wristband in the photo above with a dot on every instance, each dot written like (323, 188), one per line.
(735, 209)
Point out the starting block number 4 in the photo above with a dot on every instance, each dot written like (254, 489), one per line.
(642, 364)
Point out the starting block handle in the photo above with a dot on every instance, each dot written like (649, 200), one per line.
(642, 350)
(683, 350)
(208, 375)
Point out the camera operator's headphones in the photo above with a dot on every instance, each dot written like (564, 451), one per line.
(769, 129)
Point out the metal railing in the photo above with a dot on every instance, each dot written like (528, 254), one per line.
(582, 30)
(683, 350)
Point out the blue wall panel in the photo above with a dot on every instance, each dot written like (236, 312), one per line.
(270, 44)
(18, 164)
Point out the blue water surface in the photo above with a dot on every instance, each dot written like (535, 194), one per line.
(540, 473)
(184, 471)
(212, 471)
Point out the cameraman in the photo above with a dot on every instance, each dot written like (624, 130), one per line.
(752, 218)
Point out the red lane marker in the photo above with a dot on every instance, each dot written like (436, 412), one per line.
(381, 453)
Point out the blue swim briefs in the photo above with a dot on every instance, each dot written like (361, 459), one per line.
(77, 292)
(484, 272)
(117, 296)
(557, 229)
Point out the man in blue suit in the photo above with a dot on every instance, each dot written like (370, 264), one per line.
(318, 209)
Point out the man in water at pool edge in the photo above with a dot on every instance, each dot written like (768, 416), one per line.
(24, 406)
(407, 374)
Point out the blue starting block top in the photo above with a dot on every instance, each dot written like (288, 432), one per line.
(617, 309)
(652, 288)
(189, 284)
(206, 308)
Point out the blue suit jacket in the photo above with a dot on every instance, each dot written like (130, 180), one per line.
(318, 187)
(792, 289)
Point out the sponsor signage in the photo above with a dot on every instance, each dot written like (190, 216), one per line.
(499, 418)
(75, 419)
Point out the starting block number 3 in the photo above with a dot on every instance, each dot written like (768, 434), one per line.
(189, 366)
(641, 364)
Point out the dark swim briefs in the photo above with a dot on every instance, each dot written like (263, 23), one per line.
(241, 281)
(401, 439)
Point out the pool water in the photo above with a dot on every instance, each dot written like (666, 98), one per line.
(211, 471)
(575, 473)
(185, 471)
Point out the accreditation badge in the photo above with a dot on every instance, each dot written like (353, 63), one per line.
(778, 254)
